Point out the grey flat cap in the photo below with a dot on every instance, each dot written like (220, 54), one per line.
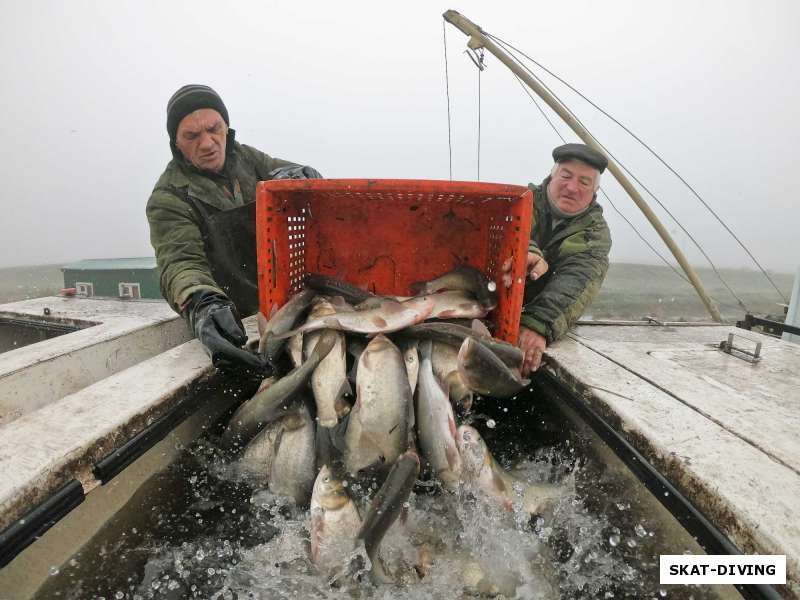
(583, 153)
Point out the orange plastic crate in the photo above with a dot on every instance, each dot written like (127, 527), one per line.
(384, 234)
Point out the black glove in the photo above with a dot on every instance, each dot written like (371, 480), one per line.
(213, 319)
(294, 172)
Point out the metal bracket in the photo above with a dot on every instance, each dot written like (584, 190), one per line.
(476, 56)
(728, 347)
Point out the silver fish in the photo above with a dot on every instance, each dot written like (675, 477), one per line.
(329, 380)
(453, 334)
(464, 278)
(389, 316)
(281, 321)
(456, 304)
(256, 460)
(485, 373)
(378, 428)
(436, 424)
(411, 359)
(444, 360)
(293, 466)
(273, 401)
(334, 523)
(331, 286)
(499, 486)
(386, 506)
(294, 347)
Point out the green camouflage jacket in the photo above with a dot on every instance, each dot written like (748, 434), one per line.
(175, 229)
(576, 251)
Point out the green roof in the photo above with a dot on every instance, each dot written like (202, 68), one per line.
(112, 264)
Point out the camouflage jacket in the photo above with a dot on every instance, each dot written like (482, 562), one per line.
(576, 251)
(175, 228)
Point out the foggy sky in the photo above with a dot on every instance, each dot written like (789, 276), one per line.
(357, 89)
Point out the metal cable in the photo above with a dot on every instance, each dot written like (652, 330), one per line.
(654, 153)
(658, 201)
(447, 91)
(479, 125)
(606, 196)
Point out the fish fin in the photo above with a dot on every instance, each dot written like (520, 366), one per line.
(425, 350)
(379, 322)
(262, 323)
(480, 328)
(418, 288)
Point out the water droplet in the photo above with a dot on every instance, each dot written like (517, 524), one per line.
(406, 505)
(491, 424)
(666, 493)
(614, 540)
(119, 595)
(200, 555)
(344, 483)
(193, 479)
(210, 571)
(662, 592)
(640, 531)
(54, 570)
(631, 543)
(155, 584)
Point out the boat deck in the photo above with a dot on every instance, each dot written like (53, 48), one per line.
(722, 430)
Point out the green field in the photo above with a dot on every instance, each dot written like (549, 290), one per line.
(633, 291)
(630, 291)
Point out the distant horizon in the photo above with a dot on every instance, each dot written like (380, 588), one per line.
(743, 268)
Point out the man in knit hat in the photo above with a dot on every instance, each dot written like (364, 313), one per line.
(202, 222)
(568, 250)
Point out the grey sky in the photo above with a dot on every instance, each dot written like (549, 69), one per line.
(356, 89)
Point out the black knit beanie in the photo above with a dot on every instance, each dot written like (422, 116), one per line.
(189, 99)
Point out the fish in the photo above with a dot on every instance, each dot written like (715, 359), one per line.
(389, 316)
(331, 286)
(294, 464)
(483, 372)
(283, 319)
(386, 506)
(463, 277)
(378, 427)
(335, 522)
(455, 304)
(453, 334)
(436, 424)
(411, 360)
(256, 460)
(496, 484)
(329, 380)
(273, 401)
(294, 347)
(444, 360)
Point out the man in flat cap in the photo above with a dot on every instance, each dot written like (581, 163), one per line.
(568, 250)
(202, 222)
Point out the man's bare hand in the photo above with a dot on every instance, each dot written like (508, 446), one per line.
(535, 268)
(533, 345)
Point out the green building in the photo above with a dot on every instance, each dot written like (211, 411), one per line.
(114, 277)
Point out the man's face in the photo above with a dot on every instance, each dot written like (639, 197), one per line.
(572, 186)
(201, 139)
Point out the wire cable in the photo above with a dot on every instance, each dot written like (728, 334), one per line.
(447, 91)
(649, 149)
(479, 125)
(602, 191)
(614, 206)
(658, 201)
